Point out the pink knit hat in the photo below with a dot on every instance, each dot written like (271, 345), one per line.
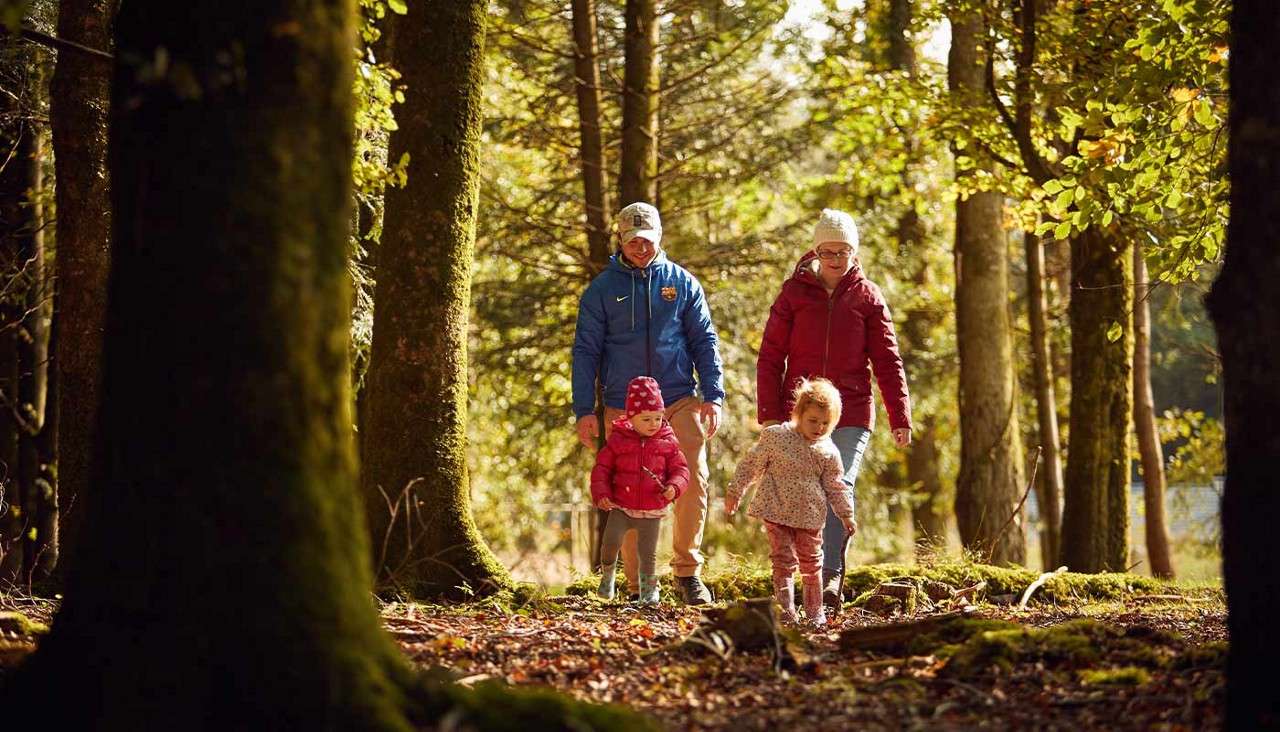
(643, 395)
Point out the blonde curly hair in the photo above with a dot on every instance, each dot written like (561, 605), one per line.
(819, 393)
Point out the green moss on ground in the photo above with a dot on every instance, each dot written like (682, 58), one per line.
(1123, 676)
(17, 624)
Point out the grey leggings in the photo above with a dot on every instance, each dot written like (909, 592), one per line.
(646, 546)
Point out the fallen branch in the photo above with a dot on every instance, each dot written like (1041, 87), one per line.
(894, 635)
(1038, 584)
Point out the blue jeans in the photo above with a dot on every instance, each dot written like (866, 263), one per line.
(852, 443)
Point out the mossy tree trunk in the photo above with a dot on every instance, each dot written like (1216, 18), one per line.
(1144, 424)
(1095, 516)
(638, 174)
(223, 575)
(988, 485)
(415, 464)
(79, 101)
(1245, 306)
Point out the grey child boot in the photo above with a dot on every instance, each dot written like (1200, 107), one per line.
(648, 589)
(608, 575)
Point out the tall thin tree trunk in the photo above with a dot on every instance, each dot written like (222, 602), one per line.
(79, 100)
(415, 470)
(1046, 402)
(1144, 424)
(594, 184)
(1245, 306)
(223, 575)
(33, 360)
(988, 486)
(1095, 517)
(929, 514)
(586, 70)
(637, 178)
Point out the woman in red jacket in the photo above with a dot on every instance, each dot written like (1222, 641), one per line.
(831, 321)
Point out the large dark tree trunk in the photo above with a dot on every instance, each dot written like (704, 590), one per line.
(638, 175)
(415, 469)
(1245, 305)
(79, 98)
(1050, 478)
(988, 486)
(1095, 517)
(223, 573)
(1144, 424)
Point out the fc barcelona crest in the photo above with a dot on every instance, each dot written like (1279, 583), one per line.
(669, 294)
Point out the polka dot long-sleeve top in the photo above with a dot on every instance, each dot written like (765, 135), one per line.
(797, 479)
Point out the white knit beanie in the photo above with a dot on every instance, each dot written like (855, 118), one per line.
(835, 225)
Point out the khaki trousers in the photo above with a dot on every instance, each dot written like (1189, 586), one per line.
(689, 514)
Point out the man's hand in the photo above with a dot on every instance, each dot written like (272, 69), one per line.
(604, 504)
(588, 431)
(902, 437)
(710, 416)
(669, 493)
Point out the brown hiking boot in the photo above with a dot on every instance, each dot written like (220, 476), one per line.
(831, 588)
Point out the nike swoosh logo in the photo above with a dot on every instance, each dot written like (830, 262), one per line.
(624, 297)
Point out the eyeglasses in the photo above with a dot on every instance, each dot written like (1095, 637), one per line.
(842, 253)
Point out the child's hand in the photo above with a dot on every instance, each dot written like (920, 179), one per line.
(669, 493)
(850, 525)
(730, 506)
(604, 504)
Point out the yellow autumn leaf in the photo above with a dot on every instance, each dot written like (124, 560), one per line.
(1218, 54)
(1182, 94)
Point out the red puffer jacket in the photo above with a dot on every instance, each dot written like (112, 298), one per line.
(843, 336)
(620, 475)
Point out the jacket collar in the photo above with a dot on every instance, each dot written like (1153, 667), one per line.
(620, 263)
(804, 271)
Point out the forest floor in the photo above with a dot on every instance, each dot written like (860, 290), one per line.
(624, 654)
(1143, 661)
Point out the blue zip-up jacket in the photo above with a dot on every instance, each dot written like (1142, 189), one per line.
(644, 322)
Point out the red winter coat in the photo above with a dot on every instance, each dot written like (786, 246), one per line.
(618, 475)
(843, 336)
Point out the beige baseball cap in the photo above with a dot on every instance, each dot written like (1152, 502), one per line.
(639, 219)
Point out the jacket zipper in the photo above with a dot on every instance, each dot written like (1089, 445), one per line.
(648, 322)
(826, 339)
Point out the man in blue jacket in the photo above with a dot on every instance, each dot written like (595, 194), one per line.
(647, 316)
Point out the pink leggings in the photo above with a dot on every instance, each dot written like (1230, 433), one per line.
(790, 547)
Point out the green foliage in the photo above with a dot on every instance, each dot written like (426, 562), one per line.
(1123, 676)
(1200, 454)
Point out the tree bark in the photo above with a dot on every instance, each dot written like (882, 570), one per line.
(416, 482)
(929, 514)
(1095, 519)
(1144, 424)
(1046, 401)
(1245, 306)
(79, 100)
(637, 178)
(586, 71)
(227, 534)
(988, 486)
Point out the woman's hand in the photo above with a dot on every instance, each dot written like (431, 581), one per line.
(669, 493)
(730, 506)
(604, 504)
(902, 437)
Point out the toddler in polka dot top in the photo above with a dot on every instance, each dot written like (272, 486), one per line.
(638, 474)
(799, 470)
